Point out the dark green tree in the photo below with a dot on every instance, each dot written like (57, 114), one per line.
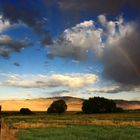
(25, 111)
(99, 105)
(58, 106)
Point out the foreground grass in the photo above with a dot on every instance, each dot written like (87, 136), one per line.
(46, 120)
(73, 126)
(79, 132)
(126, 116)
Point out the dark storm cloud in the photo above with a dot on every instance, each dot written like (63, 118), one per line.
(49, 3)
(99, 6)
(122, 59)
(9, 45)
(28, 12)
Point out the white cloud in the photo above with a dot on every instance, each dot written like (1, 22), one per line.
(77, 41)
(4, 24)
(102, 19)
(54, 80)
(86, 24)
(111, 26)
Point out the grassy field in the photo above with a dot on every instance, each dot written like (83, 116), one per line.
(80, 132)
(73, 126)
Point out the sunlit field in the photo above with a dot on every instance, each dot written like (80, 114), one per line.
(72, 126)
(38, 104)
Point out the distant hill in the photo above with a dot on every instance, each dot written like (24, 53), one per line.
(41, 104)
(74, 104)
(67, 99)
(128, 104)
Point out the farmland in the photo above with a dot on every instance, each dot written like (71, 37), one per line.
(72, 126)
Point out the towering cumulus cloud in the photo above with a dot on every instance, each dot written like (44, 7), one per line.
(77, 41)
(115, 44)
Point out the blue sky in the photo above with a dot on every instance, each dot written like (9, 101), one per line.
(69, 48)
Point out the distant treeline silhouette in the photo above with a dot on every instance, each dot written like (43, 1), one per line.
(92, 105)
(100, 105)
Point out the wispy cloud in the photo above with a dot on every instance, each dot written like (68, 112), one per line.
(54, 80)
(111, 89)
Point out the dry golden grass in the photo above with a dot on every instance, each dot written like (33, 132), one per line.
(7, 133)
(130, 106)
(36, 105)
(64, 123)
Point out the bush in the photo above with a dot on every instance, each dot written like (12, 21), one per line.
(99, 105)
(25, 111)
(58, 106)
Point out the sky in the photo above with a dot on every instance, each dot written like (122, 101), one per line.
(80, 48)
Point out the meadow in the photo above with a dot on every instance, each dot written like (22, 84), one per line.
(71, 126)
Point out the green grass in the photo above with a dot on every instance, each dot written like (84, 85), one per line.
(78, 132)
(87, 126)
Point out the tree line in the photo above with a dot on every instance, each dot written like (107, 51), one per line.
(92, 105)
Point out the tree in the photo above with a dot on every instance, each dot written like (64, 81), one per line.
(99, 105)
(25, 111)
(58, 106)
